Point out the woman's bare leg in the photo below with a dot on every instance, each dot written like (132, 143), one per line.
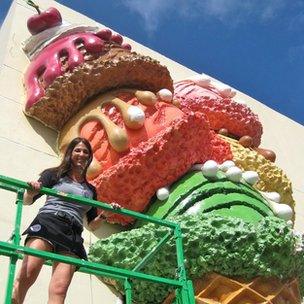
(29, 270)
(61, 278)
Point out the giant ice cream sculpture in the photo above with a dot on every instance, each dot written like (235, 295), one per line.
(186, 152)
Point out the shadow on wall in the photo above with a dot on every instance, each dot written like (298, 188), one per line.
(49, 135)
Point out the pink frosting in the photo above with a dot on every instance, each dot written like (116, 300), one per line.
(237, 118)
(48, 66)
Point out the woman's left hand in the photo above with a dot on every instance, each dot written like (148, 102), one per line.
(107, 213)
(95, 224)
(115, 206)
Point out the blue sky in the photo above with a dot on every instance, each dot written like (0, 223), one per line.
(255, 46)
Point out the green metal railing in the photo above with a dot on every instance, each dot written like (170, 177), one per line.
(183, 287)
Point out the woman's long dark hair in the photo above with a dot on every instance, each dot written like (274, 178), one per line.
(66, 163)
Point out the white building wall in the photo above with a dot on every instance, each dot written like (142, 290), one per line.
(27, 147)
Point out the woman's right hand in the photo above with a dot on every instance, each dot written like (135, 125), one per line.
(35, 185)
(30, 193)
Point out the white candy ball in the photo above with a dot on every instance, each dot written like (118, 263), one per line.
(210, 168)
(234, 174)
(290, 223)
(226, 165)
(162, 193)
(201, 80)
(251, 177)
(274, 196)
(233, 93)
(136, 114)
(165, 95)
(284, 212)
(224, 90)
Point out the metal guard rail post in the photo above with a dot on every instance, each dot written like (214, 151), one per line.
(183, 287)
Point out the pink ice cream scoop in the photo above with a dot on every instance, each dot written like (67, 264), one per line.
(222, 111)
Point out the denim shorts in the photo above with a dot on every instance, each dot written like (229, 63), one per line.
(59, 231)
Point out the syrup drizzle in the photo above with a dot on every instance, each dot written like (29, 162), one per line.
(59, 57)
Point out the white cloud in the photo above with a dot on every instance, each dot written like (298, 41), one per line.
(222, 9)
(151, 11)
(272, 9)
(229, 12)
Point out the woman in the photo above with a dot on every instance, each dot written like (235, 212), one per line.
(59, 224)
